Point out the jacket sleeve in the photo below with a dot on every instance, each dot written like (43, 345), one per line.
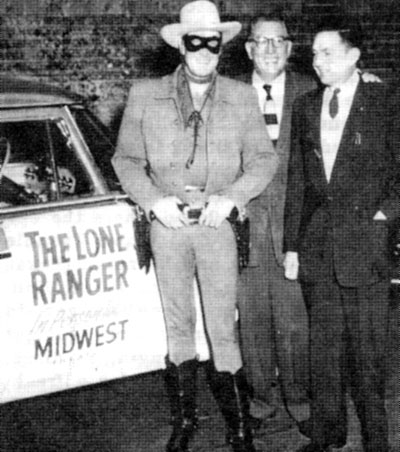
(259, 159)
(295, 183)
(130, 161)
(390, 204)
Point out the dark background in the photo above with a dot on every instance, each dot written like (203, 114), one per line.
(97, 47)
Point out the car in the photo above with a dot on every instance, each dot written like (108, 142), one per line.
(76, 308)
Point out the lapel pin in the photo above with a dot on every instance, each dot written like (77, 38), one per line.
(317, 153)
(357, 140)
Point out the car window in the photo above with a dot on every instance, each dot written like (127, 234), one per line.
(39, 163)
(97, 137)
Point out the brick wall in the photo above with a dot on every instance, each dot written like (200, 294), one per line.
(96, 47)
(134, 7)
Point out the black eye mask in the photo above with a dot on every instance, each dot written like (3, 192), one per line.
(194, 43)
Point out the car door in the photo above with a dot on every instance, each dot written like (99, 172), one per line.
(75, 307)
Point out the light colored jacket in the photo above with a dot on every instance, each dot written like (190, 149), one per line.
(151, 156)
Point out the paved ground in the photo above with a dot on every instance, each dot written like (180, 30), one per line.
(131, 415)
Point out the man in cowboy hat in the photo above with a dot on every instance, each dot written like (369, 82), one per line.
(192, 147)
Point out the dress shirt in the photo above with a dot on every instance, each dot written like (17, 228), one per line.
(277, 92)
(332, 128)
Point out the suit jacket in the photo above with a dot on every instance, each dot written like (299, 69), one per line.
(152, 152)
(331, 225)
(272, 199)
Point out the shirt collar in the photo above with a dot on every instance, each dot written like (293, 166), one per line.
(257, 81)
(349, 87)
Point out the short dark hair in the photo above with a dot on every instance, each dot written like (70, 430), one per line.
(265, 17)
(348, 28)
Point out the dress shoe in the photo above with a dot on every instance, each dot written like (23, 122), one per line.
(255, 423)
(295, 394)
(305, 427)
(312, 447)
(281, 422)
(339, 449)
(262, 410)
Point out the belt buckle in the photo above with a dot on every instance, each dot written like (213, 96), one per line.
(194, 208)
(193, 214)
(194, 188)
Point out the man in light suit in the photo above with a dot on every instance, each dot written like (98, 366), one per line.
(343, 193)
(192, 147)
(273, 319)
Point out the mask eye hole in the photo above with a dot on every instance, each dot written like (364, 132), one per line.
(213, 42)
(195, 41)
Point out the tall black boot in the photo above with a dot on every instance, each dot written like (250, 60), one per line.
(231, 392)
(181, 387)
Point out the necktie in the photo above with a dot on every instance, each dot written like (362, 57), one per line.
(334, 103)
(270, 117)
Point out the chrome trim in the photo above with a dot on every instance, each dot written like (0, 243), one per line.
(17, 211)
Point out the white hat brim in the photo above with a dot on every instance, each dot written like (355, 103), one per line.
(172, 33)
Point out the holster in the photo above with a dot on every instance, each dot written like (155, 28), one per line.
(241, 228)
(142, 238)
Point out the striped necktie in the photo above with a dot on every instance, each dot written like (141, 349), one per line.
(270, 116)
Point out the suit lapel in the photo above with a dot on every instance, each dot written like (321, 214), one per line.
(349, 160)
(290, 94)
(313, 137)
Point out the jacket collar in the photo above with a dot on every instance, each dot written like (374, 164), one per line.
(314, 111)
(348, 159)
(168, 88)
(291, 92)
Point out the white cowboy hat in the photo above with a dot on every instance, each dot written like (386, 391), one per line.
(200, 15)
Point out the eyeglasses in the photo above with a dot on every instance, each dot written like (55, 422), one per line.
(277, 41)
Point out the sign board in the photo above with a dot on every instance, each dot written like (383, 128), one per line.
(75, 307)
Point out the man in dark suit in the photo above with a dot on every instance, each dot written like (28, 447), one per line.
(343, 193)
(273, 319)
